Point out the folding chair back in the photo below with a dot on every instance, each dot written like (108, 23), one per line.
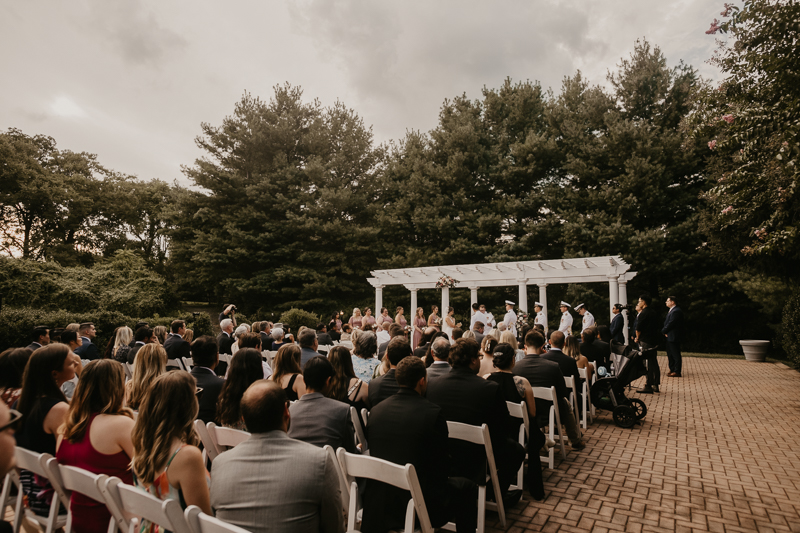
(188, 363)
(549, 394)
(167, 514)
(6, 499)
(569, 381)
(128, 370)
(199, 522)
(210, 451)
(36, 463)
(177, 363)
(360, 435)
(402, 477)
(365, 415)
(520, 410)
(225, 438)
(342, 481)
(587, 417)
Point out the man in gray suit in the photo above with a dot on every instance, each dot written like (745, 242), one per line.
(308, 345)
(439, 350)
(319, 420)
(270, 482)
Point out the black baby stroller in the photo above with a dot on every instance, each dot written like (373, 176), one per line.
(609, 393)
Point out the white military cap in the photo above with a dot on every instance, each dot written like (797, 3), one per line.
(579, 306)
(509, 302)
(538, 304)
(564, 304)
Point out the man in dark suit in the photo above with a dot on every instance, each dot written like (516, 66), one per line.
(567, 365)
(386, 385)
(407, 428)
(595, 350)
(543, 373)
(424, 342)
(176, 347)
(40, 337)
(477, 329)
(225, 338)
(323, 338)
(205, 356)
(440, 350)
(395, 330)
(647, 336)
(142, 336)
(617, 326)
(87, 350)
(467, 398)
(308, 345)
(319, 420)
(673, 331)
(266, 335)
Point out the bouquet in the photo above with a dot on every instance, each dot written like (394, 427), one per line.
(522, 319)
(446, 282)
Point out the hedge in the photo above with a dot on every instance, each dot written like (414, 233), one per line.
(790, 330)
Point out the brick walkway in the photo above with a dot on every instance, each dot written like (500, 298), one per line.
(718, 451)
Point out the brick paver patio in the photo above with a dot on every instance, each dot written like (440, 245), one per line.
(718, 451)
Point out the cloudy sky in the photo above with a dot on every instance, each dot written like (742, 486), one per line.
(132, 80)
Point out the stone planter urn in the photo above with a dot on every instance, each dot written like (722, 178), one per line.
(755, 350)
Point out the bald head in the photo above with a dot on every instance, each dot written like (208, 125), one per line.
(557, 339)
(264, 407)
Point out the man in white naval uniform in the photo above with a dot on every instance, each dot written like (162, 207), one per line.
(478, 315)
(565, 326)
(510, 319)
(540, 319)
(588, 318)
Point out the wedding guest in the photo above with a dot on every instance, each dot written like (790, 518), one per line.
(71, 339)
(225, 338)
(204, 363)
(345, 385)
(347, 331)
(277, 339)
(400, 318)
(440, 349)
(477, 330)
(175, 345)
(40, 337)
(457, 334)
(253, 340)
(122, 341)
(97, 437)
(488, 345)
(166, 460)
(356, 320)
(383, 334)
(88, 350)
(150, 363)
(188, 335)
(419, 327)
(144, 335)
(509, 338)
(364, 360)
(241, 330)
(308, 345)
(470, 335)
(8, 420)
(425, 343)
(597, 352)
(288, 373)
(244, 370)
(386, 385)
(335, 333)
(12, 368)
(433, 319)
(572, 348)
(566, 364)
(323, 338)
(161, 334)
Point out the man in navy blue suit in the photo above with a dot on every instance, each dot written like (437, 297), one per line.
(88, 350)
(617, 326)
(673, 331)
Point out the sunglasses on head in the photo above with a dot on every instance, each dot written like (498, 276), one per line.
(13, 422)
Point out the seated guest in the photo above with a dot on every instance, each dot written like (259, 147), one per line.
(319, 420)
(166, 460)
(603, 333)
(487, 350)
(543, 373)
(440, 349)
(87, 350)
(97, 437)
(277, 339)
(245, 369)
(347, 331)
(243, 329)
(122, 340)
(288, 373)
(572, 348)
(161, 334)
(457, 334)
(225, 339)
(509, 338)
(204, 360)
(385, 386)
(395, 330)
(425, 342)
(517, 389)
(308, 345)
(567, 364)
(189, 336)
(271, 483)
(364, 361)
(345, 385)
(335, 333)
(7, 443)
(12, 367)
(383, 334)
(176, 347)
(144, 335)
(595, 350)
(477, 330)
(73, 340)
(323, 338)
(467, 398)
(151, 362)
(407, 428)
(253, 340)
(40, 337)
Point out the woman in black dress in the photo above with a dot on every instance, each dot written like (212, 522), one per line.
(288, 373)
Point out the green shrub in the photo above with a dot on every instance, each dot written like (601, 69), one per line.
(201, 325)
(299, 317)
(790, 331)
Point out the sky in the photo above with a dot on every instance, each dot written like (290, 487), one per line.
(132, 80)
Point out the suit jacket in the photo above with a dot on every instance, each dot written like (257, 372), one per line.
(319, 421)
(88, 350)
(382, 349)
(647, 326)
(324, 339)
(382, 387)
(422, 350)
(224, 342)
(212, 386)
(272, 483)
(597, 352)
(132, 352)
(35, 346)
(306, 354)
(478, 337)
(438, 368)
(567, 365)
(542, 373)
(176, 347)
(467, 398)
(407, 428)
(673, 325)
(617, 328)
(266, 341)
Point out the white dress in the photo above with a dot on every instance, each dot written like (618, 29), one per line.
(448, 329)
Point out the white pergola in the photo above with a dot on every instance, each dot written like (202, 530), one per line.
(610, 269)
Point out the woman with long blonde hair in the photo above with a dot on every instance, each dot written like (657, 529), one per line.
(167, 462)
(97, 437)
(356, 319)
(122, 341)
(288, 373)
(150, 362)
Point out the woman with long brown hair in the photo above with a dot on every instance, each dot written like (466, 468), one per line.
(97, 438)
(433, 319)
(245, 368)
(150, 362)
(573, 349)
(345, 385)
(167, 462)
(288, 373)
(419, 324)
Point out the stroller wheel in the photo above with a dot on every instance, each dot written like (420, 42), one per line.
(639, 408)
(624, 416)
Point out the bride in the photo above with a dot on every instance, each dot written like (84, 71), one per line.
(449, 324)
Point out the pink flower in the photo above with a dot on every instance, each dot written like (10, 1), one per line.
(727, 210)
(712, 144)
(728, 118)
(727, 9)
(760, 233)
(714, 28)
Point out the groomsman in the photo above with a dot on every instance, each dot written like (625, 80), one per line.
(540, 319)
(565, 326)
(617, 326)
(588, 318)
(673, 331)
(510, 320)
(40, 337)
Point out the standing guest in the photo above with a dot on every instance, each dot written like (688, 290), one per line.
(245, 369)
(144, 335)
(541, 318)
(356, 320)
(176, 347)
(588, 318)
(364, 361)
(97, 437)
(225, 338)
(572, 348)
(88, 349)
(517, 389)
(386, 385)
(229, 313)
(433, 319)
(449, 323)
(510, 318)
(265, 332)
(40, 337)
(673, 331)
(271, 483)
(407, 428)
(632, 334)
(122, 340)
(617, 326)
(477, 330)
(647, 336)
(323, 338)
(277, 339)
(204, 362)
(161, 334)
(150, 363)
(345, 385)
(166, 460)
(440, 349)
(288, 373)
(44, 409)
(188, 336)
(419, 327)
(368, 319)
(400, 318)
(317, 419)
(565, 326)
(308, 345)
(12, 367)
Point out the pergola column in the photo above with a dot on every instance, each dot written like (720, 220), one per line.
(623, 300)
(378, 300)
(413, 311)
(523, 295)
(445, 303)
(543, 298)
(613, 293)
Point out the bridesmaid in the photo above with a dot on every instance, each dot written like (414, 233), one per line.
(400, 318)
(368, 319)
(419, 326)
(336, 320)
(433, 319)
(355, 320)
(384, 317)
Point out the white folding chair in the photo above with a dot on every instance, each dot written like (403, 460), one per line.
(520, 410)
(544, 393)
(403, 477)
(209, 448)
(128, 370)
(6, 499)
(365, 415)
(199, 522)
(360, 436)
(480, 435)
(569, 381)
(224, 438)
(70, 479)
(141, 505)
(586, 402)
(187, 363)
(342, 480)
(177, 363)
(35, 462)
